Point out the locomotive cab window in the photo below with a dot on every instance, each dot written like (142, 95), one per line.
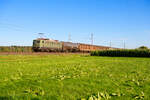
(38, 41)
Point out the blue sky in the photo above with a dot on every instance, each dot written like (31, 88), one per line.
(108, 20)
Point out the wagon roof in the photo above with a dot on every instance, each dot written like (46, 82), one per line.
(94, 45)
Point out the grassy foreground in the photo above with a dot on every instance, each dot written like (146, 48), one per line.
(73, 77)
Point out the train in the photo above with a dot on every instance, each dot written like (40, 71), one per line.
(49, 45)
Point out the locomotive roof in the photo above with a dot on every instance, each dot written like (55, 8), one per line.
(42, 39)
(47, 39)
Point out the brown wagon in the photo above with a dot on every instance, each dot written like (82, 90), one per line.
(88, 47)
(70, 47)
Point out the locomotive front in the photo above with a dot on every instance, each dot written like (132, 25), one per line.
(46, 45)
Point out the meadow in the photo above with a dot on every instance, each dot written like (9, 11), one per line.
(73, 77)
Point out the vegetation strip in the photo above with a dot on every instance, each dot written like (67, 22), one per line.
(122, 53)
(16, 49)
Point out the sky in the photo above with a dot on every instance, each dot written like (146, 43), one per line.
(117, 22)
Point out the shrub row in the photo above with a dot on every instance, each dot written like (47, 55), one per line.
(15, 49)
(122, 53)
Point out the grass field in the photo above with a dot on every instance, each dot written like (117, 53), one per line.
(73, 77)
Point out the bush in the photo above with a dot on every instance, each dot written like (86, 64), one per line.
(122, 53)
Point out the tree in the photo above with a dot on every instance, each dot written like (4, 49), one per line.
(143, 47)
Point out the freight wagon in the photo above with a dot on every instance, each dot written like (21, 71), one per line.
(88, 47)
(70, 47)
(47, 45)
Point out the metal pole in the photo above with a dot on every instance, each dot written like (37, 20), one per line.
(69, 37)
(124, 44)
(92, 40)
(110, 44)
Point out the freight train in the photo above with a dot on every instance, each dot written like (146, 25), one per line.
(48, 45)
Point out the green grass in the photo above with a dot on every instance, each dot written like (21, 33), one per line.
(73, 77)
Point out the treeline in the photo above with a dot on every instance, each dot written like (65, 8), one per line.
(123, 53)
(15, 49)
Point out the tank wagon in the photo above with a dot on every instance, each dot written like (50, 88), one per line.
(47, 45)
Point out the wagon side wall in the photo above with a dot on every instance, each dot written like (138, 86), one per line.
(70, 47)
(88, 48)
